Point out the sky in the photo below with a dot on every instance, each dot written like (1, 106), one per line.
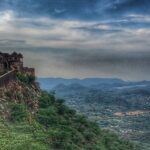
(79, 38)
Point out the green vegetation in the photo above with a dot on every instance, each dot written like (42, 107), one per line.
(54, 127)
(18, 112)
(104, 104)
(25, 78)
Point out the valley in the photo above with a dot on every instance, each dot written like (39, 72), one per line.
(121, 106)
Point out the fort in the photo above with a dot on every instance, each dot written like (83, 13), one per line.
(10, 64)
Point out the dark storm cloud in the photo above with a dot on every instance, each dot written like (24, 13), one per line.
(108, 63)
(91, 58)
(128, 65)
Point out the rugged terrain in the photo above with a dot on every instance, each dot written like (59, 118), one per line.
(34, 120)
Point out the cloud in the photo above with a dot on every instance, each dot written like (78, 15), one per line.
(50, 32)
(79, 38)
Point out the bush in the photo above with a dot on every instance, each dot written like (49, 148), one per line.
(28, 79)
(47, 116)
(46, 100)
(60, 101)
(31, 78)
(18, 112)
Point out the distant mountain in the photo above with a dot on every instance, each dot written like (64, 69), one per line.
(71, 87)
(97, 83)
(49, 83)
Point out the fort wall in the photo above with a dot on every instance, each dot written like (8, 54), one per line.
(9, 65)
(7, 77)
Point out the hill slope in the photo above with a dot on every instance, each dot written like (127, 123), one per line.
(35, 120)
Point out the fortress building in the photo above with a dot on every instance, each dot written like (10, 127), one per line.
(14, 61)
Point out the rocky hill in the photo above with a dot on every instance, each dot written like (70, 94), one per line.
(31, 119)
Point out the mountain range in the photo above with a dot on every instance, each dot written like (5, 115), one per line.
(49, 83)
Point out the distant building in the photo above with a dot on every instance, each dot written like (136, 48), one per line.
(14, 61)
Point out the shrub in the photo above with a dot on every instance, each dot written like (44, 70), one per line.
(18, 112)
(60, 102)
(31, 78)
(28, 79)
(46, 100)
(47, 116)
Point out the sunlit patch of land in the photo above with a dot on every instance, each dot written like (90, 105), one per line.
(131, 113)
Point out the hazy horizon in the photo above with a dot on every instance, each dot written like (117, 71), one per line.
(74, 78)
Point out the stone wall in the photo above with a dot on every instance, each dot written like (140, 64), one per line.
(7, 77)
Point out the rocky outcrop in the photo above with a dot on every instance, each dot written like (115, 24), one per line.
(18, 92)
